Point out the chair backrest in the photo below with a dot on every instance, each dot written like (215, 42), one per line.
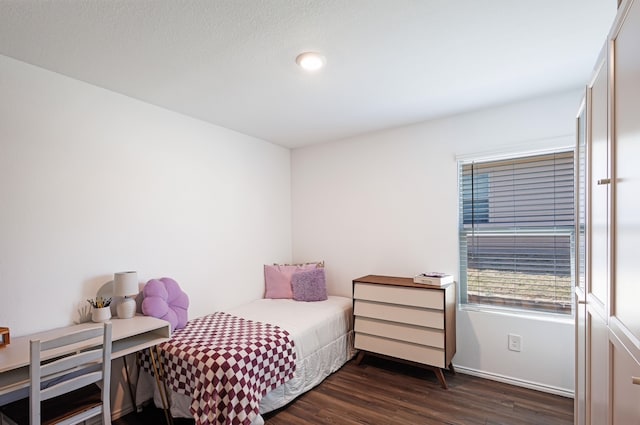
(72, 361)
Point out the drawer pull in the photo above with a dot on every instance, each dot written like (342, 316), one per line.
(635, 380)
(604, 181)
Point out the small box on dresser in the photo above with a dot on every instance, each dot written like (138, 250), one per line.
(395, 317)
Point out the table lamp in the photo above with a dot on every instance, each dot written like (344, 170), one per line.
(125, 284)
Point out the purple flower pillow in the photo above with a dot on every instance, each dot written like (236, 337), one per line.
(164, 299)
(309, 285)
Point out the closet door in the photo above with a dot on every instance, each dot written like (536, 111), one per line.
(624, 322)
(597, 335)
(599, 180)
(598, 368)
(625, 401)
(626, 135)
(580, 399)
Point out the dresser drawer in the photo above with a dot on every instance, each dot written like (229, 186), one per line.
(403, 332)
(417, 297)
(398, 313)
(399, 349)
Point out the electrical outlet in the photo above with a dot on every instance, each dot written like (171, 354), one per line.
(515, 342)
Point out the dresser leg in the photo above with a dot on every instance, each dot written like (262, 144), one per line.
(453, 371)
(359, 357)
(440, 377)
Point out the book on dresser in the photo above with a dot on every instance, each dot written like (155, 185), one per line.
(433, 278)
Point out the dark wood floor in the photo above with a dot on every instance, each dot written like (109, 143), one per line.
(383, 392)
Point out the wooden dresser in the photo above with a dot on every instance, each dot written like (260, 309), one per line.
(397, 318)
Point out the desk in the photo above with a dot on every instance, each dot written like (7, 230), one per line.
(128, 336)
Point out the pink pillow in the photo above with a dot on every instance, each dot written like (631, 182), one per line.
(309, 285)
(164, 299)
(277, 279)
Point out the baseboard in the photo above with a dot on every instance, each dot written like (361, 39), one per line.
(517, 382)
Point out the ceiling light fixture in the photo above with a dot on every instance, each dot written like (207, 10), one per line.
(310, 61)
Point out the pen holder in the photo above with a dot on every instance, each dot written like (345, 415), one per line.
(101, 314)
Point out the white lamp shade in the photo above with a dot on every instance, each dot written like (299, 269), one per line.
(125, 284)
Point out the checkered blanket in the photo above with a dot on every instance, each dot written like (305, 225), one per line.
(226, 364)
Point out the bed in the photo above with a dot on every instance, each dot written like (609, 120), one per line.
(322, 338)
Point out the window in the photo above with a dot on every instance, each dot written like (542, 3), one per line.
(517, 232)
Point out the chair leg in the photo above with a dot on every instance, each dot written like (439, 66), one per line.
(106, 416)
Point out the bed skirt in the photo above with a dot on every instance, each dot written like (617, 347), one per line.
(313, 363)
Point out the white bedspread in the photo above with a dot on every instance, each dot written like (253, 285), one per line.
(312, 325)
(322, 333)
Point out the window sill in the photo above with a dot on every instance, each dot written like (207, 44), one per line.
(531, 315)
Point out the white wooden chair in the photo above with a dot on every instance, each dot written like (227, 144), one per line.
(63, 387)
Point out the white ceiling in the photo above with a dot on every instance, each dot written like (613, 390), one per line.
(389, 62)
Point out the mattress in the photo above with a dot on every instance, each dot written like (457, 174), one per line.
(323, 337)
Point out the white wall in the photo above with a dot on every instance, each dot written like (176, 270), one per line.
(386, 203)
(93, 182)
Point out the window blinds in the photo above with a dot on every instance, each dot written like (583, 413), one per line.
(517, 226)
